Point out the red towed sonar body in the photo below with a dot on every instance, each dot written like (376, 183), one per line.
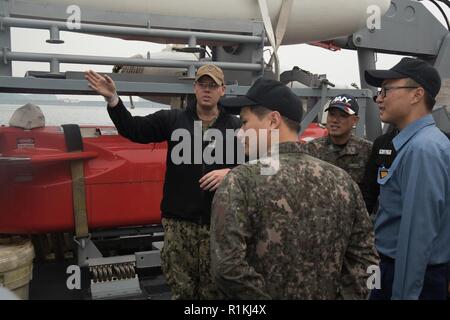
(123, 180)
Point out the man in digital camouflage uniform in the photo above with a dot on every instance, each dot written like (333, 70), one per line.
(341, 148)
(302, 232)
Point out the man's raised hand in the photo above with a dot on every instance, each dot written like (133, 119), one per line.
(103, 85)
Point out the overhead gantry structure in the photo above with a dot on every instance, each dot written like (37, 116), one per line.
(236, 45)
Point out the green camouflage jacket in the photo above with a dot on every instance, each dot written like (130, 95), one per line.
(302, 233)
(352, 158)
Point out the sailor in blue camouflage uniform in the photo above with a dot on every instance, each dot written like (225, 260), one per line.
(302, 232)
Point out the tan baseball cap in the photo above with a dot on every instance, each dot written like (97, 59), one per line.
(212, 71)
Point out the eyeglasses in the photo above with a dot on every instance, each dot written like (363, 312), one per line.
(208, 85)
(383, 91)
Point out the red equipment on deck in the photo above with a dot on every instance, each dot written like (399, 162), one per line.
(314, 131)
(124, 180)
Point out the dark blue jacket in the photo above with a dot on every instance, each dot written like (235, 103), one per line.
(182, 198)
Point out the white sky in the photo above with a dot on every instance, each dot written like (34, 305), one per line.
(341, 67)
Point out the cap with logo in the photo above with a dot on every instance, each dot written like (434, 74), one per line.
(420, 71)
(270, 94)
(212, 71)
(346, 103)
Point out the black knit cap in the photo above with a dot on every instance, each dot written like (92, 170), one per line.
(270, 94)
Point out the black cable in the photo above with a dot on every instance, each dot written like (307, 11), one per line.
(446, 2)
(442, 10)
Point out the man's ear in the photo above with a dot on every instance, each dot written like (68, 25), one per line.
(419, 94)
(355, 120)
(223, 88)
(275, 119)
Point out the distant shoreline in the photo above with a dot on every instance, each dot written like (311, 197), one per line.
(53, 100)
(80, 103)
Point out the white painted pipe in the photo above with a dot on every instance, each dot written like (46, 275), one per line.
(309, 20)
